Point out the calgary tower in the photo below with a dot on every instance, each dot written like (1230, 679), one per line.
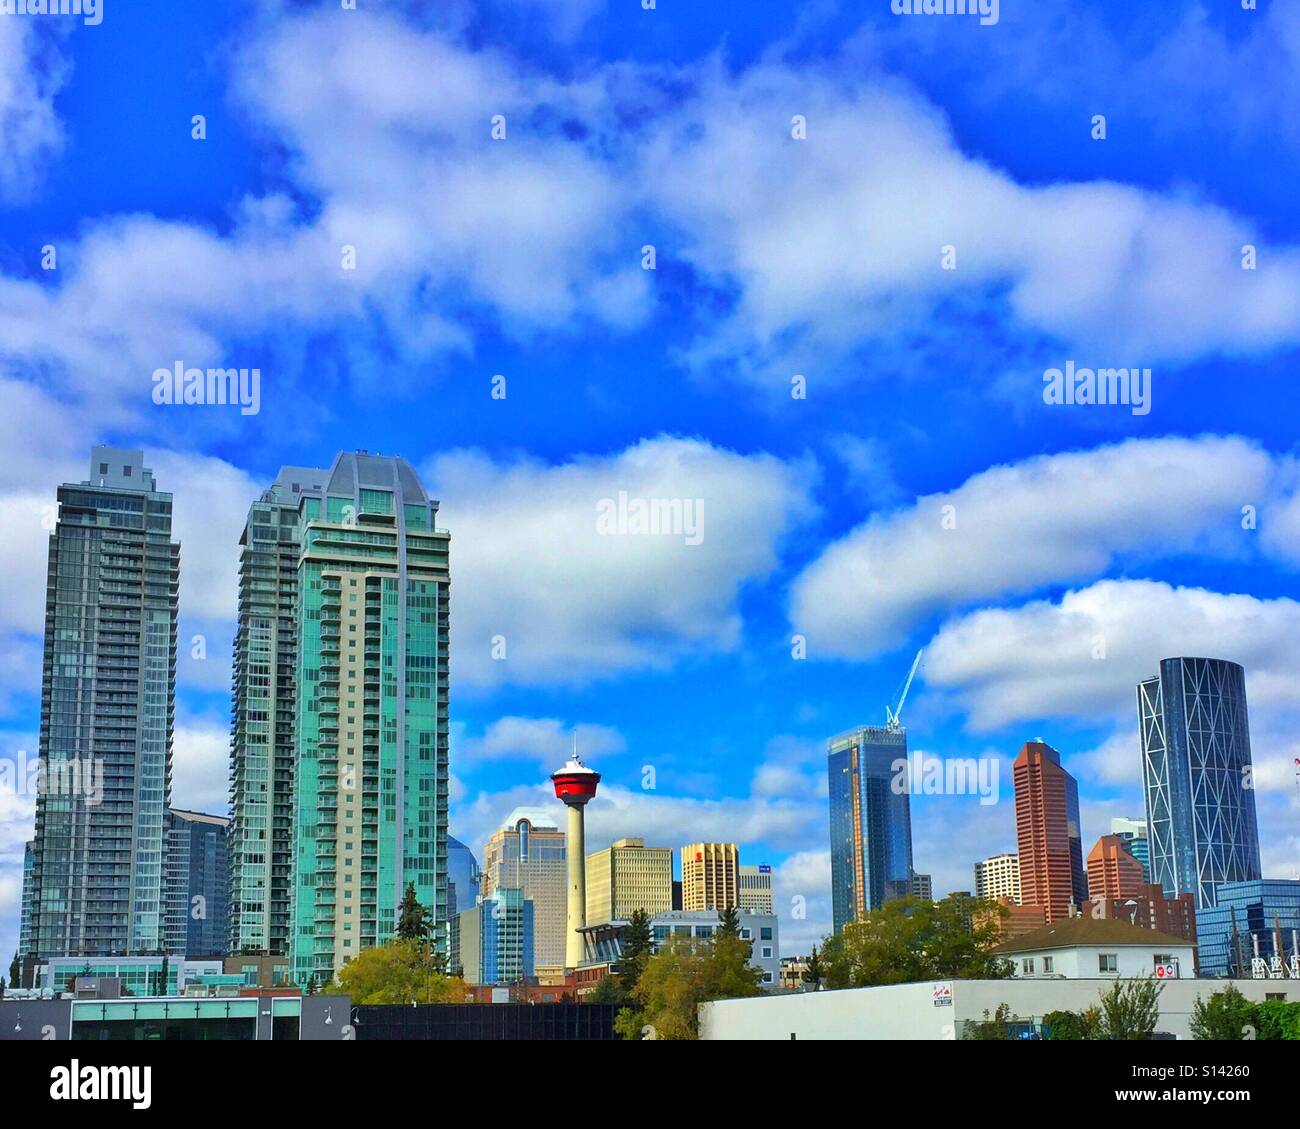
(575, 784)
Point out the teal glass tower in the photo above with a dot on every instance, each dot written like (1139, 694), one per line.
(372, 615)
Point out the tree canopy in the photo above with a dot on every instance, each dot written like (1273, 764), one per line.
(913, 939)
(399, 972)
(683, 974)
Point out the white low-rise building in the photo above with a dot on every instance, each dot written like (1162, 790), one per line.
(1084, 948)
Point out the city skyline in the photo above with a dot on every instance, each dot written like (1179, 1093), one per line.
(657, 297)
(117, 466)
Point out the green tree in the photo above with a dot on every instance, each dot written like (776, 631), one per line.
(995, 1029)
(608, 990)
(912, 939)
(815, 973)
(399, 972)
(1278, 1019)
(414, 922)
(1063, 1026)
(1130, 1009)
(1225, 1015)
(683, 974)
(729, 922)
(672, 985)
(15, 970)
(636, 941)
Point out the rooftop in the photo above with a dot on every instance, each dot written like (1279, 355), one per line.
(1074, 931)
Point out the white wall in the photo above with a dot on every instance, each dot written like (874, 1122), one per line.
(908, 1011)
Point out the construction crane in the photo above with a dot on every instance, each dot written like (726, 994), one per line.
(894, 712)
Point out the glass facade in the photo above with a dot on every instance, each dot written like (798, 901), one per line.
(107, 704)
(198, 885)
(870, 821)
(1247, 921)
(262, 753)
(372, 621)
(462, 877)
(507, 938)
(1202, 828)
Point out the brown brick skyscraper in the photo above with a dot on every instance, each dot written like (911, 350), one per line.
(1047, 832)
(1112, 871)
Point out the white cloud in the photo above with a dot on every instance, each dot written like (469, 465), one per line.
(201, 764)
(573, 603)
(1011, 529)
(31, 134)
(1004, 665)
(546, 740)
(849, 247)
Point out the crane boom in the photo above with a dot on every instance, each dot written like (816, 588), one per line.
(894, 713)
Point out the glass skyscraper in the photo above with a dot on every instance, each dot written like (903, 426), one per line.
(870, 821)
(371, 711)
(1250, 917)
(198, 884)
(262, 751)
(107, 704)
(1200, 801)
(462, 877)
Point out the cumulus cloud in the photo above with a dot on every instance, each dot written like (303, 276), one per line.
(848, 249)
(533, 567)
(1053, 519)
(546, 740)
(1080, 657)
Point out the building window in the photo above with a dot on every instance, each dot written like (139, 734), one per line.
(746, 935)
(1027, 966)
(1047, 964)
(765, 934)
(1108, 962)
(767, 952)
(767, 978)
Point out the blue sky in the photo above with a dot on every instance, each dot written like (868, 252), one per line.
(774, 257)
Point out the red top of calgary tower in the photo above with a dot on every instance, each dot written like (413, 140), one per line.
(575, 783)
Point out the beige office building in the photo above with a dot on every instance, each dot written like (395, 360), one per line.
(527, 853)
(756, 889)
(628, 876)
(710, 876)
(998, 877)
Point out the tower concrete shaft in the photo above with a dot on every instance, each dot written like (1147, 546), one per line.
(576, 852)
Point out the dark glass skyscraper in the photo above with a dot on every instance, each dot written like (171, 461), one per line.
(198, 884)
(871, 822)
(107, 703)
(1196, 765)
